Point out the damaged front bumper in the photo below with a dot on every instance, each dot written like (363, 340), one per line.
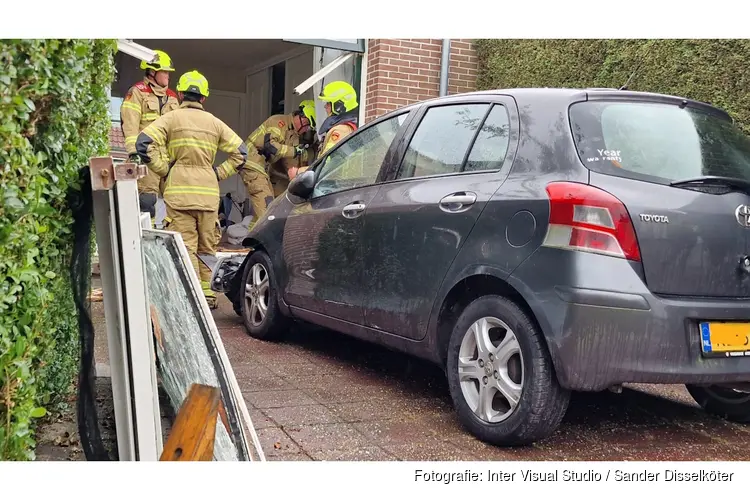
(224, 267)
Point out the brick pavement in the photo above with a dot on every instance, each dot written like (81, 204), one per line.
(324, 396)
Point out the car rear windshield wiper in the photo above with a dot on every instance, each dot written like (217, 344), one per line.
(714, 180)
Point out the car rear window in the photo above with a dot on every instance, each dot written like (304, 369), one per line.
(658, 142)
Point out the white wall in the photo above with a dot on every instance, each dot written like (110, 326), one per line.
(298, 69)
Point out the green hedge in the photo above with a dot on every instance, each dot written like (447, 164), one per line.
(712, 71)
(53, 117)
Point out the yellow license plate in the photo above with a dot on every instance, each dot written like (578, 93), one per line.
(725, 339)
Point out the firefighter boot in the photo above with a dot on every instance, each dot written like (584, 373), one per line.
(210, 295)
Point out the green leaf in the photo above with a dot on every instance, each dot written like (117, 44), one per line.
(22, 430)
(38, 412)
(38, 321)
(13, 202)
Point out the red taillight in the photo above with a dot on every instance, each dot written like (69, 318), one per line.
(585, 218)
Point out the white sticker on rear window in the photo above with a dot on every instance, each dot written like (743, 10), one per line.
(606, 155)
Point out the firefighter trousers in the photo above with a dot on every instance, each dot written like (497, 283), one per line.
(201, 233)
(259, 190)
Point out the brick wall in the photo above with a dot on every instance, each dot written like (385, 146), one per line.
(117, 142)
(464, 67)
(404, 71)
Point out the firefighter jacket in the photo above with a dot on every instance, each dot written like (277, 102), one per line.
(335, 134)
(276, 138)
(145, 102)
(191, 136)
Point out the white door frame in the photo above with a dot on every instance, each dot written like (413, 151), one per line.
(267, 73)
(362, 91)
(243, 133)
(243, 108)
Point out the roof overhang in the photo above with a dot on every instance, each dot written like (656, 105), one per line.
(136, 50)
(345, 44)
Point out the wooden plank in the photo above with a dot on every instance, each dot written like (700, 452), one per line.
(224, 417)
(194, 430)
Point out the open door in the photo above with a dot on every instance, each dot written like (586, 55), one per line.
(258, 97)
(334, 59)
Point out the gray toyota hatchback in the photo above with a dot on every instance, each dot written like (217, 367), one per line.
(532, 242)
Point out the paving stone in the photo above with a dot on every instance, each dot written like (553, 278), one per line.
(396, 432)
(261, 420)
(368, 454)
(430, 451)
(278, 398)
(275, 442)
(289, 457)
(296, 416)
(322, 437)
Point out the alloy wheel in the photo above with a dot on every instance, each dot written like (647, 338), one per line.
(257, 294)
(490, 369)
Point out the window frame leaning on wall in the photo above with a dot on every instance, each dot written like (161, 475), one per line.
(132, 351)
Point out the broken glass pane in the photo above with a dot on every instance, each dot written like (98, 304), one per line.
(186, 348)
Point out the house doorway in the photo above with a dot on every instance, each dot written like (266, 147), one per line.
(249, 80)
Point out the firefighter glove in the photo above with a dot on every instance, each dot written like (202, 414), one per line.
(268, 150)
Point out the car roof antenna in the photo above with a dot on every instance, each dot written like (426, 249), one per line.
(625, 87)
(630, 78)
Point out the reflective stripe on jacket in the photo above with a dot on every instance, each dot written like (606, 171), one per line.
(189, 138)
(143, 104)
(281, 130)
(284, 138)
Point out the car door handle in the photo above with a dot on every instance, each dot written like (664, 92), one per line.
(353, 210)
(457, 202)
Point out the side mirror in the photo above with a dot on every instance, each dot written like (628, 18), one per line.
(303, 185)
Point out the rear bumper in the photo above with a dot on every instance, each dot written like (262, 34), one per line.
(603, 326)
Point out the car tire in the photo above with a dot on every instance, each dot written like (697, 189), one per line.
(522, 368)
(722, 402)
(259, 301)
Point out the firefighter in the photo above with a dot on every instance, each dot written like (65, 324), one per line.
(285, 142)
(343, 113)
(145, 102)
(191, 137)
(255, 178)
(309, 140)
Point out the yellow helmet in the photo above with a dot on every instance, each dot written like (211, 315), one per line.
(163, 62)
(341, 95)
(308, 109)
(192, 81)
